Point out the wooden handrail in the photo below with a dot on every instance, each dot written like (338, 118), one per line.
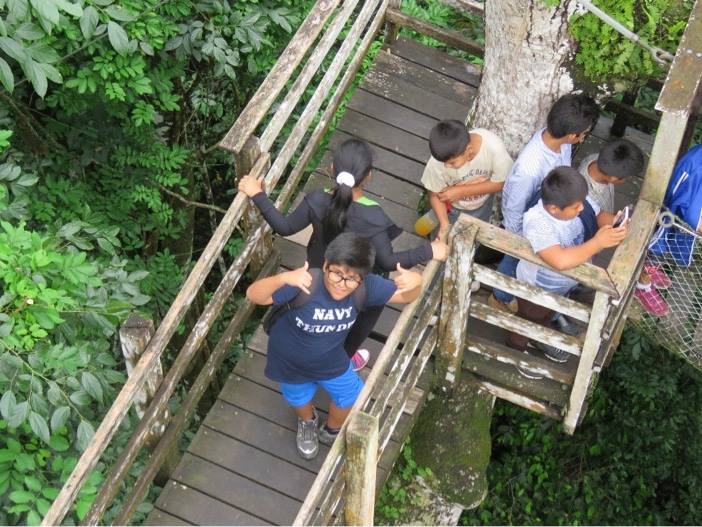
(157, 344)
(312, 64)
(679, 101)
(168, 385)
(275, 81)
(212, 251)
(509, 243)
(448, 36)
(465, 5)
(321, 92)
(189, 404)
(536, 295)
(359, 472)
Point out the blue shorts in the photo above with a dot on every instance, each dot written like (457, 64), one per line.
(343, 390)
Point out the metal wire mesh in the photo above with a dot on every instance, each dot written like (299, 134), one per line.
(668, 298)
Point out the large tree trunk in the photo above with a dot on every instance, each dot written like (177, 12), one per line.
(527, 54)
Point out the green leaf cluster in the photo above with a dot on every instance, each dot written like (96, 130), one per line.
(109, 109)
(635, 459)
(609, 58)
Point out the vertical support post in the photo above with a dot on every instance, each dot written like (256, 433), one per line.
(583, 377)
(134, 335)
(391, 29)
(243, 163)
(360, 467)
(455, 305)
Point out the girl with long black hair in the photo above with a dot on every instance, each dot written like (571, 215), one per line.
(344, 208)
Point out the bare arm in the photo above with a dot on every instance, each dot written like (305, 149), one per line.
(562, 258)
(466, 190)
(439, 209)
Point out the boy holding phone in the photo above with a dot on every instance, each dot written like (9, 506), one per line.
(616, 162)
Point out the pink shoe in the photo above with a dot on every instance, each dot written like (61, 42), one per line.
(659, 279)
(652, 301)
(360, 359)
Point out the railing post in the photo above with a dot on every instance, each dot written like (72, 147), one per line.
(455, 304)
(586, 365)
(392, 29)
(360, 468)
(251, 219)
(134, 335)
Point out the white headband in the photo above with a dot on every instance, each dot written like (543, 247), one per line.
(346, 178)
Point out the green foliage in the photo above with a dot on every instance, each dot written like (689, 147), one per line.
(108, 109)
(608, 57)
(394, 499)
(439, 14)
(634, 460)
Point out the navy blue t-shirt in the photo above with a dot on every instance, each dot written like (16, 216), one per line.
(307, 343)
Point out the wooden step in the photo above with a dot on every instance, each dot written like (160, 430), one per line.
(507, 375)
(522, 326)
(563, 373)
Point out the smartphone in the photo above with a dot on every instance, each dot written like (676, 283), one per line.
(621, 218)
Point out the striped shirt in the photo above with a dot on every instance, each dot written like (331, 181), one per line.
(542, 231)
(535, 161)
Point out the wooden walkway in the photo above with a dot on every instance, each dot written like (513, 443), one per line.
(242, 467)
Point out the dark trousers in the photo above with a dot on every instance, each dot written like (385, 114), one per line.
(362, 329)
(533, 312)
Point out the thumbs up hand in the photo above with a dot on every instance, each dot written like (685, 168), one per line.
(407, 280)
(300, 278)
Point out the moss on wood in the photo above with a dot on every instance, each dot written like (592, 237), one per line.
(452, 438)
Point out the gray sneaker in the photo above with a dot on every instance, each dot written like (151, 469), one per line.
(553, 353)
(325, 436)
(528, 372)
(307, 440)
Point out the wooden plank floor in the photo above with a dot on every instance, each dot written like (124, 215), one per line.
(242, 468)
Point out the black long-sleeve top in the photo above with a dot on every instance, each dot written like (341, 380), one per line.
(365, 218)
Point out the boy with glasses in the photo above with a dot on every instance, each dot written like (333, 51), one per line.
(306, 343)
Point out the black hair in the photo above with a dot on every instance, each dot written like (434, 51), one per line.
(572, 114)
(355, 157)
(448, 139)
(563, 186)
(351, 250)
(620, 159)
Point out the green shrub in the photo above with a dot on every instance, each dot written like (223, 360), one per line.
(636, 458)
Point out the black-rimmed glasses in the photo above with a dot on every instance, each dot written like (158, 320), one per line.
(349, 282)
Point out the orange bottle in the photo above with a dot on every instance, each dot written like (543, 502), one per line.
(427, 223)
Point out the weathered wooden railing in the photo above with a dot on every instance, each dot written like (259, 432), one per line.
(251, 155)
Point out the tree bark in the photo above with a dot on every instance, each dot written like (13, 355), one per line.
(527, 57)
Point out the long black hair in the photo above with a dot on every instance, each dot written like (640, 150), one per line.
(355, 157)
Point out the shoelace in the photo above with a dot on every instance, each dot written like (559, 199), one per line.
(308, 430)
